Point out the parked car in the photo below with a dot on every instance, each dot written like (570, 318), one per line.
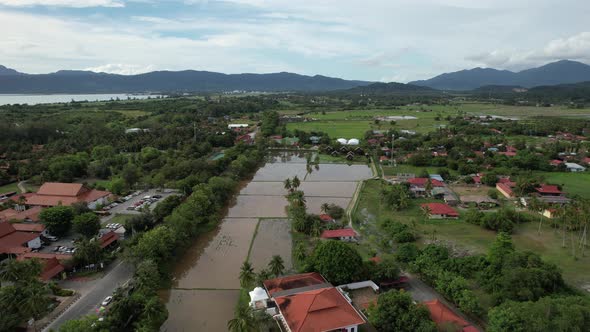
(107, 301)
(157, 196)
(51, 238)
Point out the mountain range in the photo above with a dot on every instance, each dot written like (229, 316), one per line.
(560, 72)
(72, 81)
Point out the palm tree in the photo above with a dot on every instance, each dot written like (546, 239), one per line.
(316, 229)
(300, 253)
(263, 275)
(288, 185)
(247, 275)
(325, 207)
(243, 320)
(295, 182)
(276, 265)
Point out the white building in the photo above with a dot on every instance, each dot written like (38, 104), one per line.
(573, 167)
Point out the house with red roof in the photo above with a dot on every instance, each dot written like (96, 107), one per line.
(440, 211)
(15, 242)
(586, 161)
(445, 318)
(55, 193)
(327, 218)
(383, 159)
(108, 239)
(308, 303)
(555, 162)
(506, 188)
(549, 190)
(30, 215)
(344, 234)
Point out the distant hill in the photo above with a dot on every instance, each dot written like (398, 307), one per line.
(391, 88)
(71, 81)
(560, 72)
(8, 71)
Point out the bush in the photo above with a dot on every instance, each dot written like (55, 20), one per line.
(406, 253)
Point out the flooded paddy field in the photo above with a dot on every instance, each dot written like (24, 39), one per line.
(199, 310)
(273, 238)
(206, 280)
(217, 264)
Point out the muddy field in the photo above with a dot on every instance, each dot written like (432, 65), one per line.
(217, 264)
(199, 310)
(273, 238)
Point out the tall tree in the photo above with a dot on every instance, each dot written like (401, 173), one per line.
(87, 224)
(247, 275)
(276, 265)
(57, 219)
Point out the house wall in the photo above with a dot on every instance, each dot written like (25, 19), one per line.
(34, 243)
(507, 195)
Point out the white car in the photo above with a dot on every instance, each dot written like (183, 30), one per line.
(107, 301)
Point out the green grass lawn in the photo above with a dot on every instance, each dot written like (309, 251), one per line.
(9, 188)
(572, 183)
(474, 238)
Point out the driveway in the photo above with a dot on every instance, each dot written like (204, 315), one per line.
(421, 292)
(117, 275)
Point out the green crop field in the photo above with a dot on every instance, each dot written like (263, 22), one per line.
(476, 239)
(9, 188)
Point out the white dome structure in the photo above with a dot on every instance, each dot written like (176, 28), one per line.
(342, 141)
(353, 141)
(257, 295)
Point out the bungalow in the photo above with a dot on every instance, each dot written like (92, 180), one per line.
(440, 211)
(344, 234)
(446, 319)
(383, 159)
(15, 242)
(53, 194)
(550, 213)
(308, 303)
(549, 190)
(555, 162)
(573, 167)
(505, 188)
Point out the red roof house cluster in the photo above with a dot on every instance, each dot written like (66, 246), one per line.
(307, 302)
(421, 182)
(440, 210)
(549, 190)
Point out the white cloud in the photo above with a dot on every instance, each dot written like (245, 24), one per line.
(63, 3)
(576, 47)
(122, 69)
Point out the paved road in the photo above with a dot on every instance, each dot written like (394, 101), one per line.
(21, 187)
(119, 274)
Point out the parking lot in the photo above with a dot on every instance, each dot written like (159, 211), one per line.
(66, 245)
(129, 206)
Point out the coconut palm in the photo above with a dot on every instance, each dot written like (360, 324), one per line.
(276, 265)
(295, 182)
(325, 207)
(288, 185)
(316, 229)
(263, 275)
(300, 253)
(243, 320)
(247, 275)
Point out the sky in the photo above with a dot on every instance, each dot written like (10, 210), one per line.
(374, 40)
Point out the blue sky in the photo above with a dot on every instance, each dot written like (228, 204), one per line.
(378, 40)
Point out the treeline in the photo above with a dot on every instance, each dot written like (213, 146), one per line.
(518, 282)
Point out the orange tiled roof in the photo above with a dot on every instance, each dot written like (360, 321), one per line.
(323, 309)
